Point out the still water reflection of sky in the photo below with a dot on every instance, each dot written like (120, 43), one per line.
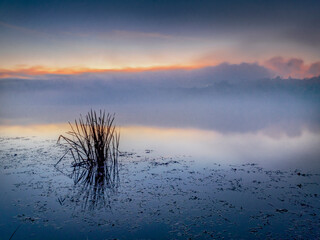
(173, 184)
(268, 147)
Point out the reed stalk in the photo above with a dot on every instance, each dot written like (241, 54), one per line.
(93, 142)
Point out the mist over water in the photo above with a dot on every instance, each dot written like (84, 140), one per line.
(248, 118)
(221, 105)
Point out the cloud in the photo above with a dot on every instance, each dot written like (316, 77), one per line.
(41, 71)
(227, 98)
(26, 30)
(181, 74)
(224, 71)
(238, 72)
(34, 71)
(137, 34)
(314, 69)
(293, 67)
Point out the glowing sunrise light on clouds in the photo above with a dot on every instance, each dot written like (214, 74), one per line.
(70, 37)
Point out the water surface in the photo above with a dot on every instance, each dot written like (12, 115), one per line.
(174, 183)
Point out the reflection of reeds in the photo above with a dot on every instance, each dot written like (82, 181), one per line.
(95, 187)
(93, 141)
(94, 145)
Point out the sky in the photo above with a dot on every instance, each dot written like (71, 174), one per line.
(73, 37)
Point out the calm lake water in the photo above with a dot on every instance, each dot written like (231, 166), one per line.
(174, 183)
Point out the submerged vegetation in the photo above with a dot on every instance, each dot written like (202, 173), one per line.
(93, 143)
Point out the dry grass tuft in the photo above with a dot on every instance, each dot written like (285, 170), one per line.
(93, 141)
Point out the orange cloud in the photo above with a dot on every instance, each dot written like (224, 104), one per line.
(293, 67)
(29, 72)
(314, 69)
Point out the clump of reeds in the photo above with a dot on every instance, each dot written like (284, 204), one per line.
(93, 142)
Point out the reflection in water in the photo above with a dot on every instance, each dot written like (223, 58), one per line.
(96, 184)
(270, 147)
(93, 185)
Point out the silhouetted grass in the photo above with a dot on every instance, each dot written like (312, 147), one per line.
(93, 141)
